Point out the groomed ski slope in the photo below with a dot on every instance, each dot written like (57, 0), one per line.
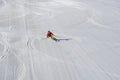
(92, 51)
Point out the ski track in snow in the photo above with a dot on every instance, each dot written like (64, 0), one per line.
(7, 51)
(89, 44)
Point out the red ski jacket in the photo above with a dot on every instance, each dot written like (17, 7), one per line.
(49, 34)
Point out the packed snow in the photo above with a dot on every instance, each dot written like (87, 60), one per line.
(88, 46)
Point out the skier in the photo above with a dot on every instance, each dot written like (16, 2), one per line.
(50, 35)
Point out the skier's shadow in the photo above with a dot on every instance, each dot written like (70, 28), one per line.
(67, 39)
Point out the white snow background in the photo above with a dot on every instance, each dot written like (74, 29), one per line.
(91, 51)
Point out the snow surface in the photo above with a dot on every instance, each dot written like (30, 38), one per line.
(91, 51)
